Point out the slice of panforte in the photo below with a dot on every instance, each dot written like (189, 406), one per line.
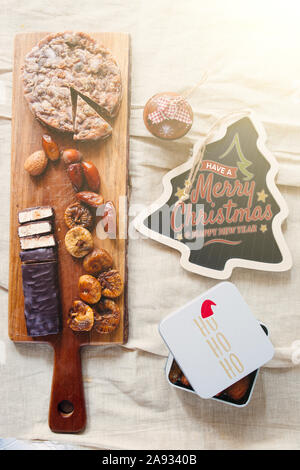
(88, 125)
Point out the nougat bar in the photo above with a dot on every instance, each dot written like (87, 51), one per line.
(34, 228)
(41, 298)
(42, 241)
(35, 213)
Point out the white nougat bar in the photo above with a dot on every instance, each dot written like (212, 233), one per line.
(35, 213)
(43, 241)
(34, 228)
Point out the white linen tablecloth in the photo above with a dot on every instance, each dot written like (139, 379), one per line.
(250, 51)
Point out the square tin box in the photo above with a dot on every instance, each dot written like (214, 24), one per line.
(216, 341)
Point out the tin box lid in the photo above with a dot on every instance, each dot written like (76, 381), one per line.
(216, 340)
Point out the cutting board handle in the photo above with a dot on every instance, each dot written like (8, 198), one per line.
(67, 406)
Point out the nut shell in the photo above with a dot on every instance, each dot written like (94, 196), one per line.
(77, 214)
(111, 283)
(79, 242)
(89, 289)
(81, 316)
(36, 163)
(107, 316)
(98, 260)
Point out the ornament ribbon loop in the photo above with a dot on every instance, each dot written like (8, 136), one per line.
(168, 109)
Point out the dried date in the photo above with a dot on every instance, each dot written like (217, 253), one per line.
(92, 176)
(50, 147)
(75, 175)
(90, 198)
(71, 156)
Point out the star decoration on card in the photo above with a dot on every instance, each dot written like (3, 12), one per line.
(261, 196)
(179, 237)
(263, 228)
(179, 193)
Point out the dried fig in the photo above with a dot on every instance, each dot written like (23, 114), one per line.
(92, 176)
(96, 261)
(81, 316)
(75, 175)
(71, 156)
(90, 198)
(36, 163)
(77, 214)
(79, 242)
(50, 147)
(107, 316)
(111, 283)
(89, 289)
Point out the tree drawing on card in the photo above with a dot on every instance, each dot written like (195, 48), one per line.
(230, 213)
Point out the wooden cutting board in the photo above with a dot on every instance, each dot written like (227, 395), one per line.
(54, 188)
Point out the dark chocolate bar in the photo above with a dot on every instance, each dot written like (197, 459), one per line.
(35, 213)
(41, 298)
(38, 255)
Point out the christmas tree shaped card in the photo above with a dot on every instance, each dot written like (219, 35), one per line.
(222, 209)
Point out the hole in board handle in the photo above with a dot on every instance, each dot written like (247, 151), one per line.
(65, 408)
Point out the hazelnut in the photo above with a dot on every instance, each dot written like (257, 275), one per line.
(36, 163)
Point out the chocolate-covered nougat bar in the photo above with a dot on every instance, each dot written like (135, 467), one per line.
(41, 298)
(38, 255)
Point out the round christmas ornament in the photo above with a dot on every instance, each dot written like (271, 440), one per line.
(168, 115)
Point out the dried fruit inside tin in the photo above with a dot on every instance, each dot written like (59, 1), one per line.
(239, 389)
(81, 316)
(107, 316)
(175, 373)
(111, 283)
(96, 261)
(79, 242)
(89, 289)
(77, 214)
